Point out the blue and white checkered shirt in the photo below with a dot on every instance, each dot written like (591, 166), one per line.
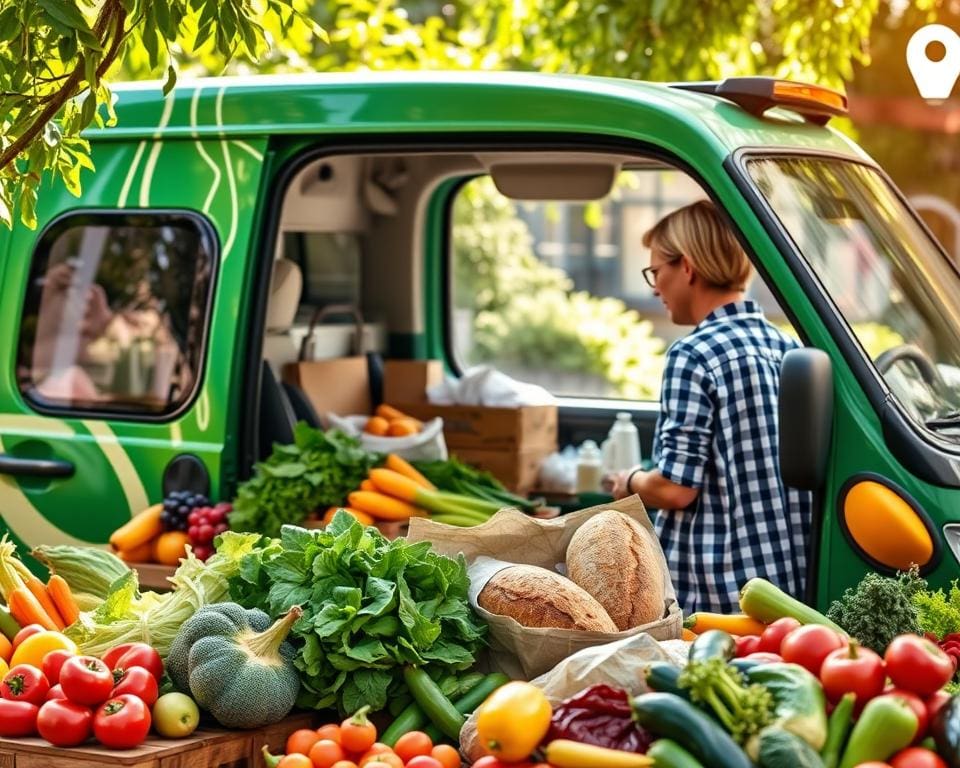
(717, 432)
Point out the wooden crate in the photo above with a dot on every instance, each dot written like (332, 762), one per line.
(206, 748)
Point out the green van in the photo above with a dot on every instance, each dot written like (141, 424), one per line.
(146, 321)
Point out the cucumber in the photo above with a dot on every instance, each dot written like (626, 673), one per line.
(662, 676)
(668, 754)
(8, 625)
(766, 602)
(471, 699)
(713, 644)
(432, 701)
(665, 714)
(411, 719)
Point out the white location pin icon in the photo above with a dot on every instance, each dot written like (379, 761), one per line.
(935, 79)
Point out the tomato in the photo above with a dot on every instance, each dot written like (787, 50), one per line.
(55, 692)
(65, 724)
(917, 664)
(491, 761)
(378, 748)
(53, 662)
(424, 761)
(917, 757)
(855, 669)
(325, 752)
(357, 733)
(935, 703)
(25, 683)
(135, 655)
(747, 644)
(773, 635)
(122, 722)
(27, 631)
(301, 740)
(413, 744)
(330, 731)
(446, 755)
(344, 764)
(391, 759)
(296, 760)
(86, 680)
(918, 707)
(18, 718)
(139, 682)
(809, 645)
(764, 657)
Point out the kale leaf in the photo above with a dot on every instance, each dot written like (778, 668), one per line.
(879, 609)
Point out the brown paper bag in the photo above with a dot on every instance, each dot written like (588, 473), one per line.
(512, 537)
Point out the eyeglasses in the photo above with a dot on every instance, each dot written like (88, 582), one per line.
(650, 273)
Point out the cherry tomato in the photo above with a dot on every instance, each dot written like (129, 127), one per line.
(25, 683)
(135, 655)
(448, 756)
(747, 644)
(357, 733)
(139, 682)
(325, 752)
(17, 718)
(86, 680)
(491, 761)
(855, 669)
(344, 764)
(301, 740)
(122, 722)
(424, 761)
(27, 631)
(378, 748)
(809, 645)
(390, 758)
(935, 703)
(296, 760)
(918, 707)
(917, 757)
(330, 731)
(413, 744)
(55, 692)
(917, 664)
(764, 657)
(53, 662)
(773, 635)
(65, 724)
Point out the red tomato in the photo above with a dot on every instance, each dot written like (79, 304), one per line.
(55, 692)
(809, 645)
(935, 703)
(490, 761)
(139, 682)
(917, 757)
(424, 761)
(86, 680)
(918, 707)
(917, 664)
(773, 635)
(27, 631)
(65, 724)
(25, 683)
(122, 722)
(747, 644)
(17, 718)
(135, 655)
(764, 657)
(874, 764)
(855, 669)
(52, 663)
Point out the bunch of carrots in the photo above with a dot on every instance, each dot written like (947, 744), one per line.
(397, 492)
(28, 599)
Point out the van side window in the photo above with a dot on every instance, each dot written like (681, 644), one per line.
(115, 313)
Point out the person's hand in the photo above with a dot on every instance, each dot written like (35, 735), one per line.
(618, 483)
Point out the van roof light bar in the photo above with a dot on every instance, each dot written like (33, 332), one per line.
(758, 94)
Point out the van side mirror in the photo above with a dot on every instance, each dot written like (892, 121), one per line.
(806, 417)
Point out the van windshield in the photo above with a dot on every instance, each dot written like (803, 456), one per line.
(897, 291)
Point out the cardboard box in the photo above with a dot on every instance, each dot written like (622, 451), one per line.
(407, 381)
(517, 470)
(340, 386)
(502, 429)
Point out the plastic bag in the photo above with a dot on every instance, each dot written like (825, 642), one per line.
(427, 445)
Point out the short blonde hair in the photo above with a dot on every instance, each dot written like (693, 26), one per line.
(697, 232)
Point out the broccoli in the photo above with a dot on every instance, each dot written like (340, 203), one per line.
(744, 710)
(879, 609)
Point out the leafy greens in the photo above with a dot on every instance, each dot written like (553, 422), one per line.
(318, 469)
(371, 606)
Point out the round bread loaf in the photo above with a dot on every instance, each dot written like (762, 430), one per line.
(536, 597)
(616, 560)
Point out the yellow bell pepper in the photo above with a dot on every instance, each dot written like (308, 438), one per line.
(34, 648)
(513, 720)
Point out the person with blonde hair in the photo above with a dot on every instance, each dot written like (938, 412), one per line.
(723, 513)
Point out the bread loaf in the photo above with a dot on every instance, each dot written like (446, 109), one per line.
(616, 560)
(536, 597)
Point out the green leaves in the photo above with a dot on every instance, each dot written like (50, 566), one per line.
(370, 606)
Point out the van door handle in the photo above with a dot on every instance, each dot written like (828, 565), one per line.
(13, 465)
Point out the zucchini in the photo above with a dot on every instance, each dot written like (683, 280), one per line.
(8, 625)
(662, 676)
(666, 753)
(766, 602)
(782, 749)
(667, 715)
(432, 701)
(471, 699)
(713, 644)
(410, 719)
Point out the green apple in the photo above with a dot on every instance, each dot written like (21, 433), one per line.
(175, 715)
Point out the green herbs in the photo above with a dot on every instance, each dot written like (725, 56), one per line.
(317, 470)
(939, 612)
(879, 609)
(720, 689)
(457, 477)
(370, 607)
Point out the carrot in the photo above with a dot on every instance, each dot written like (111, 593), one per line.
(405, 468)
(381, 506)
(39, 590)
(395, 484)
(6, 648)
(403, 427)
(59, 592)
(403, 488)
(26, 610)
(367, 485)
(388, 412)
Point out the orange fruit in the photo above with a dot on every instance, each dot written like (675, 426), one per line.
(412, 744)
(301, 740)
(325, 752)
(446, 755)
(169, 547)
